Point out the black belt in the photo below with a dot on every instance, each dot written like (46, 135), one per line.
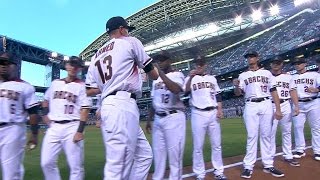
(133, 96)
(3, 124)
(307, 99)
(164, 114)
(65, 121)
(282, 100)
(257, 99)
(210, 108)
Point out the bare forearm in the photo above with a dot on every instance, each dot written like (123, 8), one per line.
(93, 91)
(172, 86)
(276, 100)
(237, 91)
(188, 85)
(294, 97)
(219, 106)
(151, 114)
(84, 114)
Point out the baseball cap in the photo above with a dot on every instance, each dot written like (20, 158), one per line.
(6, 57)
(117, 22)
(75, 61)
(276, 59)
(200, 60)
(251, 53)
(298, 61)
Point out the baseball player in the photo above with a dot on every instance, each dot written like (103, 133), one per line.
(17, 99)
(169, 127)
(206, 112)
(308, 87)
(287, 90)
(65, 109)
(114, 73)
(258, 85)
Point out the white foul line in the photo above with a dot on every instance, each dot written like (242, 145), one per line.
(230, 165)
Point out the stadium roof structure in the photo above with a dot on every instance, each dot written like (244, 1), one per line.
(189, 27)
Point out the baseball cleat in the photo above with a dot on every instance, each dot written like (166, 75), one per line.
(274, 172)
(317, 157)
(299, 155)
(220, 177)
(246, 174)
(292, 162)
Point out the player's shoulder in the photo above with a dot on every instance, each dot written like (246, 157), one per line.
(131, 40)
(176, 73)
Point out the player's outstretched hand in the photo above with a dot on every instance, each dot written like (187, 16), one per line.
(296, 111)
(148, 128)
(219, 114)
(278, 115)
(235, 82)
(78, 137)
(312, 90)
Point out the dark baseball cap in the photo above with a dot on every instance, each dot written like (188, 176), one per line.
(6, 57)
(298, 61)
(251, 53)
(75, 61)
(276, 59)
(200, 60)
(117, 22)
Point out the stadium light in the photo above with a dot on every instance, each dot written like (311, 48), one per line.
(256, 15)
(66, 58)
(54, 54)
(238, 20)
(274, 10)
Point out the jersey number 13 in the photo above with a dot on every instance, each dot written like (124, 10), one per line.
(105, 76)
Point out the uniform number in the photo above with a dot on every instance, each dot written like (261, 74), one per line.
(68, 109)
(105, 76)
(264, 88)
(12, 108)
(165, 98)
(306, 89)
(284, 93)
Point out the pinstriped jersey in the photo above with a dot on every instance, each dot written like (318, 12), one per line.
(305, 80)
(66, 100)
(15, 98)
(285, 84)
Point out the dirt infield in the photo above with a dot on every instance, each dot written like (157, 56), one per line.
(309, 170)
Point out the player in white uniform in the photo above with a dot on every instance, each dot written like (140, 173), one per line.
(308, 87)
(169, 127)
(65, 108)
(258, 85)
(206, 112)
(287, 90)
(114, 73)
(18, 100)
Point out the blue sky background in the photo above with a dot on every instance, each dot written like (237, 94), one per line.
(64, 26)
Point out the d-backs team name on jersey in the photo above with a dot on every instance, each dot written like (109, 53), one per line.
(15, 98)
(285, 84)
(256, 84)
(203, 91)
(162, 98)
(66, 99)
(304, 81)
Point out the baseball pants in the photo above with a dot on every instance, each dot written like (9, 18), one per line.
(308, 111)
(128, 152)
(202, 122)
(285, 124)
(12, 144)
(60, 137)
(168, 139)
(258, 120)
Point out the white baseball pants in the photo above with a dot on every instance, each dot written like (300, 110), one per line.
(202, 122)
(60, 137)
(12, 144)
(258, 120)
(168, 138)
(128, 152)
(286, 124)
(311, 112)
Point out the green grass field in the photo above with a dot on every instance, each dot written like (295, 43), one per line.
(233, 143)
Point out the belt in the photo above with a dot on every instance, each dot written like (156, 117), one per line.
(282, 100)
(257, 99)
(210, 108)
(307, 99)
(3, 124)
(133, 96)
(65, 121)
(164, 113)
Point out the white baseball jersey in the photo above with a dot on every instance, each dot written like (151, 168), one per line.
(115, 66)
(285, 84)
(305, 80)
(257, 84)
(162, 98)
(203, 91)
(15, 97)
(66, 99)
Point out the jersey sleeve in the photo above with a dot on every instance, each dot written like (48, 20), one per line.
(48, 93)
(178, 78)
(241, 82)
(30, 98)
(84, 100)
(90, 81)
(185, 83)
(272, 80)
(141, 57)
(292, 84)
(216, 85)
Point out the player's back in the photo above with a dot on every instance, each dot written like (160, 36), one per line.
(114, 67)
